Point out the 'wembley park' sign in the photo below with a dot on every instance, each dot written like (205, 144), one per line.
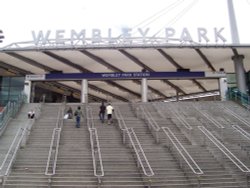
(128, 36)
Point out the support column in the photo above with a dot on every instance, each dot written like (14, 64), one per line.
(223, 88)
(144, 90)
(27, 90)
(240, 72)
(84, 91)
(33, 92)
(177, 96)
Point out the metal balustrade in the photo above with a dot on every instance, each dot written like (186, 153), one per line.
(18, 141)
(10, 110)
(183, 153)
(153, 126)
(180, 118)
(142, 160)
(242, 131)
(89, 115)
(96, 154)
(95, 146)
(11, 154)
(241, 119)
(235, 160)
(121, 123)
(209, 118)
(141, 157)
(54, 146)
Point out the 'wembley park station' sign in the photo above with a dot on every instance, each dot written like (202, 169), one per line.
(126, 75)
(128, 36)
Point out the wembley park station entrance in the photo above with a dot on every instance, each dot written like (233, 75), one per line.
(139, 77)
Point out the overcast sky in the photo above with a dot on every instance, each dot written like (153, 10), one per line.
(19, 17)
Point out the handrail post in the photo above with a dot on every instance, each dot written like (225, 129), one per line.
(49, 181)
(149, 183)
(199, 181)
(99, 181)
(157, 137)
(123, 136)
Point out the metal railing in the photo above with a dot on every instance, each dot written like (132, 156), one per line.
(95, 146)
(236, 95)
(121, 123)
(141, 158)
(181, 150)
(96, 154)
(180, 118)
(209, 118)
(153, 126)
(14, 152)
(10, 110)
(10, 152)
(53, 152)
(236, 161)
(19, 139)
(89, 115)
(241, 119)
(54, 147)
(242, 131)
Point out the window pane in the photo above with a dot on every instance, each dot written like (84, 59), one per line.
(17, 81)
(4, 81)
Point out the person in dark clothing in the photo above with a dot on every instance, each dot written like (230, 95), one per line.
(70, 113)
(102, 112)
(78, 114)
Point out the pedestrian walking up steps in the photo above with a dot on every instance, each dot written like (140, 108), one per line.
(75, 166)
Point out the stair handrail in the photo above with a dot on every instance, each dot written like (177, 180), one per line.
(89, 114)
(54, 144)
(236, 161)
(53, 152)
(9, 111)
(148, 116)
(96, 153)
(139, 150)
(127, 131)
(179, 147)
(237, 95)
(152, 124)
(20, 130)
(180, 118)
(121, 123)
(15, 151)
(209, 118)
(237, 116)
(242, 131)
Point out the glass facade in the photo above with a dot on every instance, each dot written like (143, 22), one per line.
(10, 88)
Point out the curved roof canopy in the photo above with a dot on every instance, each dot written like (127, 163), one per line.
(20, 61)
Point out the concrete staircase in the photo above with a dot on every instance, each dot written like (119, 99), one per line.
(29, 167)
(166, 169)
(216, 173)
(120, 169)
(20, 121)
(74, 163)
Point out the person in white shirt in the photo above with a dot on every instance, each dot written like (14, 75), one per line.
(109, 111)
(31, 114)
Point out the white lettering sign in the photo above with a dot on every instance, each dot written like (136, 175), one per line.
(128, 35)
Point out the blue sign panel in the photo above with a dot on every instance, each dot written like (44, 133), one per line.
(125, 75)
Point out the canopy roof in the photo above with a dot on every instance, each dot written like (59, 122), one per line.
(20, 61)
